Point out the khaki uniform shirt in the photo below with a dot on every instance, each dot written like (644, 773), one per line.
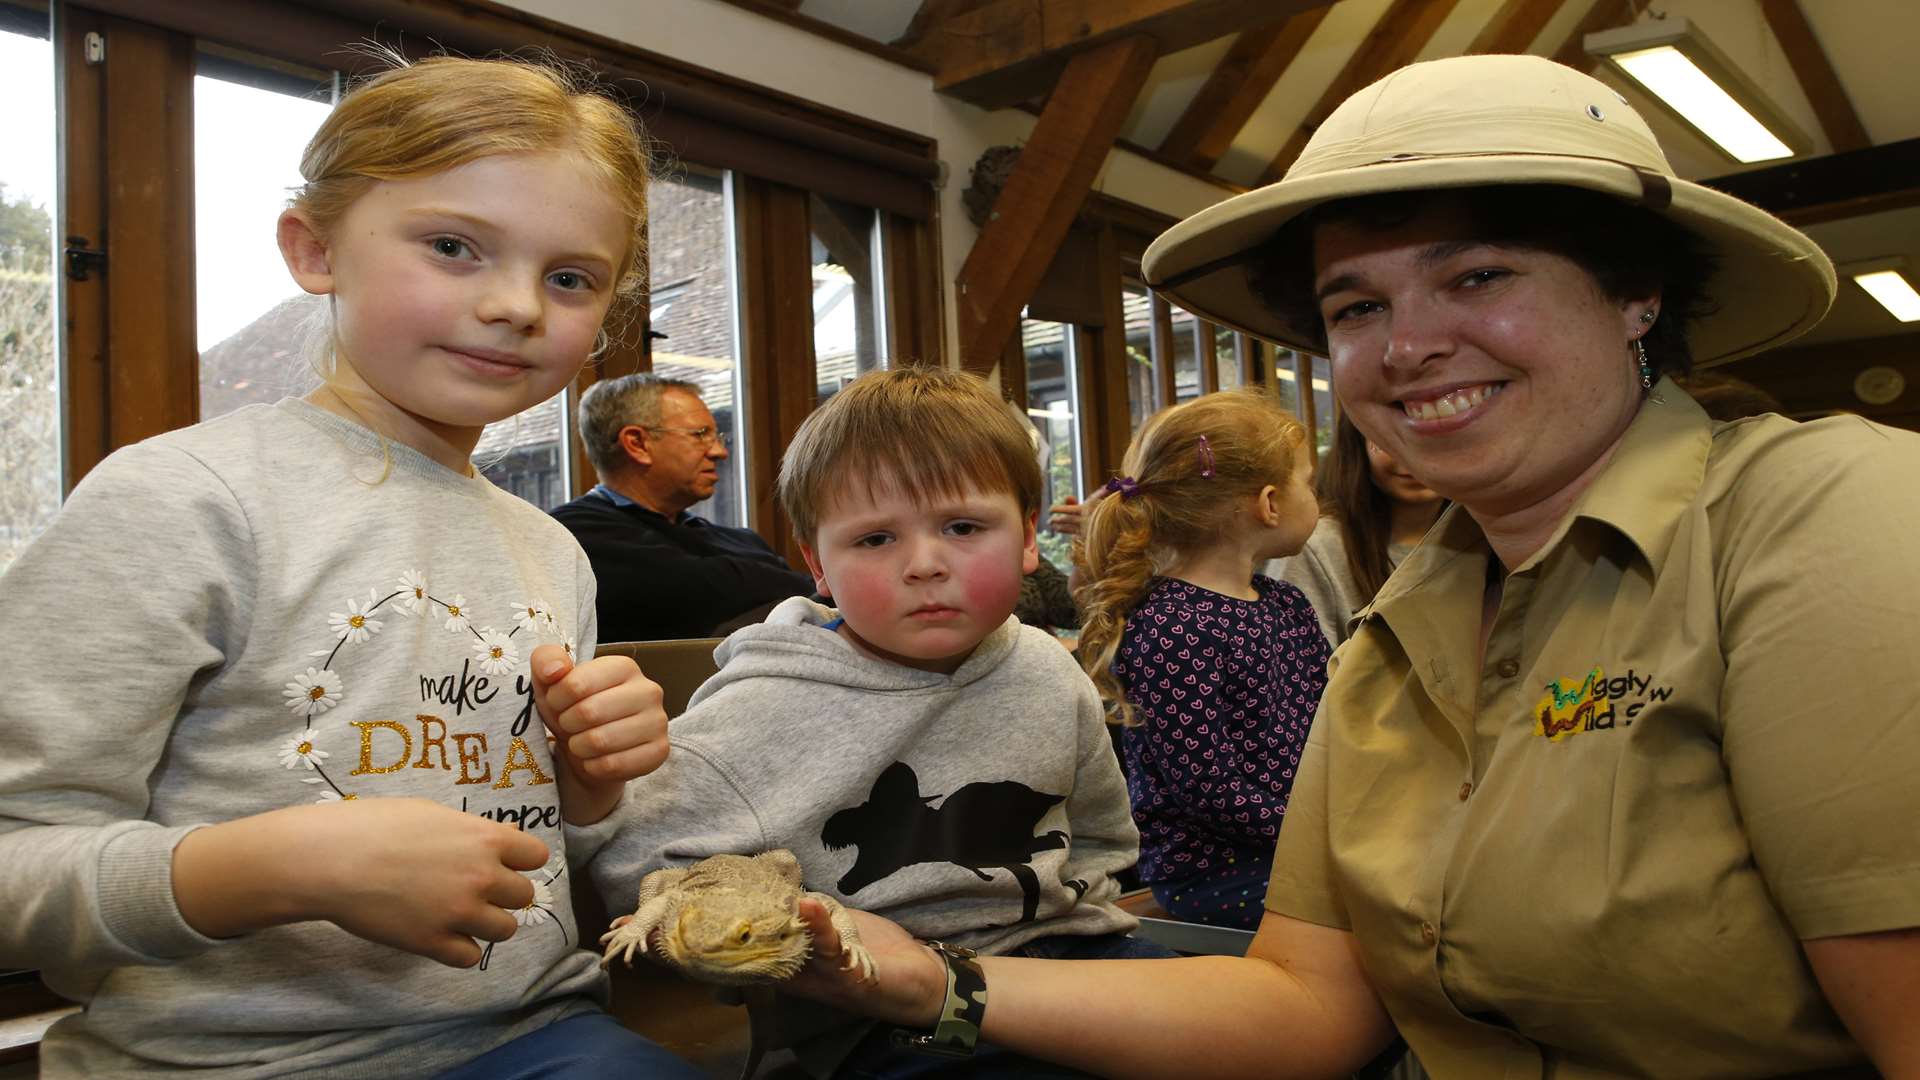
(1693, 742)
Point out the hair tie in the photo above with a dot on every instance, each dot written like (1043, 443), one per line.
(1206, 459)
(1127, 486)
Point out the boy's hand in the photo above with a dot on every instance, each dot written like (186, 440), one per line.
(607, 723)
(408, 873)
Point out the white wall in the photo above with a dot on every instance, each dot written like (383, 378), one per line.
(737, 43)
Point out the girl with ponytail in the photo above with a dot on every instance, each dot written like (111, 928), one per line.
(1213, 670)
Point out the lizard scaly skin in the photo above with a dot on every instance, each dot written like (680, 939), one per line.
(730, 919)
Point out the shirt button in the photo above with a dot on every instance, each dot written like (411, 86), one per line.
(1508, 668)
(1428, 934)
(1466, 789)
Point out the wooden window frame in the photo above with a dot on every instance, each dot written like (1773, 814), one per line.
(131, 358)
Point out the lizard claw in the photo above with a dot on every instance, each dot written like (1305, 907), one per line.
(855, 955)
(623, 941)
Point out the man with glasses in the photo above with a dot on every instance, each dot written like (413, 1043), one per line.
(663, 572)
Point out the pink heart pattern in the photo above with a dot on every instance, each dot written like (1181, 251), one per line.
(1226, 689)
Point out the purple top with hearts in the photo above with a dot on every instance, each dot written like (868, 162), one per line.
(1226, 689)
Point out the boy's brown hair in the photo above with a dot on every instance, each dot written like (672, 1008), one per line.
(928, 430)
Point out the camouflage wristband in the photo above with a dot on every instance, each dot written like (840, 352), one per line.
(958, 1029)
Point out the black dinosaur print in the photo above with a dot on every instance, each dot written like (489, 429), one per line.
(982, 826)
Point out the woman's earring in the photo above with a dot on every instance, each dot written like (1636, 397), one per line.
(1646, 368)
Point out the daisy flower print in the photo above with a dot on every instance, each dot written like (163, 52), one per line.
(300, 750)
(356, 624)
(498, 654)
(531, 616)
(536, 910)
(315, 692)
(457, 617)
(413, 593)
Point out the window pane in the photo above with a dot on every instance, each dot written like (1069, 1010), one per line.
(847, 321)
(1322, 406)
(1138, 309)
(691, 271)
(1226, 360)
(1285, 382)
(29, 371)
(1186, 364)
(1053, 406)
(524, 454)
(255, 325)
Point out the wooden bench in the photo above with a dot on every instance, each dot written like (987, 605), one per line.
(679, 666)
(27, 1010)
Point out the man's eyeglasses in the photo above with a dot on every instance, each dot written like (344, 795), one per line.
(705, 436)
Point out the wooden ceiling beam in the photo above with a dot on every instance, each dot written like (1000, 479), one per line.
(1816, 74)
(1842, 185)
(932, 13)
(1514, 27)
(1603, 15)
(1043, 194)
(788, 12)
(1396, 38)
(1005, 51)
(1236, 88)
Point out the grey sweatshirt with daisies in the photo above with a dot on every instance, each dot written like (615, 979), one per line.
(247, 615)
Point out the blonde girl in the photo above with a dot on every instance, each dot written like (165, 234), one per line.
(1213, 669)
(274, 799)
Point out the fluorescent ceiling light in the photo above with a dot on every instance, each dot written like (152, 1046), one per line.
(1686, 74)
(1883, 280)
(1680, 83)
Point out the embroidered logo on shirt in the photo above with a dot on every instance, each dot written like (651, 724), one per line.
(1563, 712)
(1571, 707)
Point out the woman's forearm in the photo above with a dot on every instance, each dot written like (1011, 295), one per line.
(1161, 1018)
(1132, 1018)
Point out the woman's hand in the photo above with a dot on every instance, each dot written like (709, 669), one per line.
(409, 873)
(908, 985)
(607, 723)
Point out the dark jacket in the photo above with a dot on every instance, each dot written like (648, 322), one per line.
(661, 579)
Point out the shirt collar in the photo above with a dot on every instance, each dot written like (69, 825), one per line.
(1653, 477)
(617, 499)
(613, 496)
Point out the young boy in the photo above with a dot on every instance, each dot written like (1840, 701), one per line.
(924, 755)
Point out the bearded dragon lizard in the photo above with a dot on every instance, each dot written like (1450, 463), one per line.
(731, 919)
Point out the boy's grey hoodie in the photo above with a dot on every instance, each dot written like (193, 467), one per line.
(984, 808)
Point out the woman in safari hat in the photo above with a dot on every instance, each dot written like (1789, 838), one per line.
(1617, 774)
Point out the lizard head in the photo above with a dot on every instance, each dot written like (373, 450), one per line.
(738, 936)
